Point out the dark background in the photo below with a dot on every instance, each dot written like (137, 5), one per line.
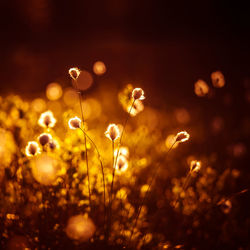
(164, 46)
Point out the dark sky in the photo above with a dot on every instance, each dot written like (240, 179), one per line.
(163, 45)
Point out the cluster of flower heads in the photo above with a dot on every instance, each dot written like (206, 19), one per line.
(60, 192)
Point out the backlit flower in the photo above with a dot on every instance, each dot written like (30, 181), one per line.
(44, 138)
(201, 88)
(74, 73)
(47, 120)
(195, 166)
(182, 136)
(122, 164)
(32, 149)
(112, 132)
(218, 79)
(75, 123)
(138, 94)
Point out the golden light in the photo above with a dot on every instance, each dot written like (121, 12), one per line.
(84, 80)
(70, 96)
(54, 91)
(47, 120)
(124, 151)
(99, 68)
(44, 169)
(218, 79)
(201, 88)
(80, 227)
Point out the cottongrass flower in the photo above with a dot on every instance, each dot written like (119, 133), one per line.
(112, 132)
(218, 79)
(195, 166)
(47, 120)
(44, 138)
(75, 123)
(122, 164)
(137, 108)
(182, 136)
(138, 94)
(32, 149)
(124, 151)
(74, 73)
(80, 227)
(201, 88)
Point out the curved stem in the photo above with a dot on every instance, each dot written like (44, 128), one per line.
(147, 192)
(102, 168)
(85, 141)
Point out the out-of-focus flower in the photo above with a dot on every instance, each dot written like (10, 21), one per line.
(122, 164)
(75, 123)
(112, 132)
(218, 79)
(54, 91)
(201, 88)
(53, 144)
(182, 136)
(32, 149)
(47, 120)
(80, 228)
(137, 108)
(138, 94)
(225, 205)
(195, 166)
(74, 73)
(44, 138)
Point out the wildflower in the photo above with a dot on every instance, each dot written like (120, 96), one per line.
(226, 205)
(137, 108)
(53, 144)
(80, 228)
(32, 148)
(123, 151)
(122, 164)
(195, 166)
(47, 120)
(44, 138)
(138, 94)
(201, 88)
(182, 136)
(75, 123)
(218, 79)
(112, 132)
(74, 73)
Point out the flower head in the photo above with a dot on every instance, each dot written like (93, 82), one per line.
(47, 120)
(112, 132)
(74, 73)
(122, 164)
(195, 166)
(32, 149)
(75, 123)
(182, 136)
(44, 138)
(138, 94)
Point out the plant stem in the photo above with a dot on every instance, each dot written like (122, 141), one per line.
(85, 141)
(147, 192)
(102, 168)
